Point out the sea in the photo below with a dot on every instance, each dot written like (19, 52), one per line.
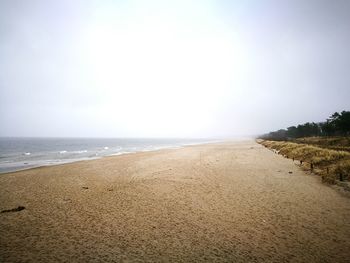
(24, 153)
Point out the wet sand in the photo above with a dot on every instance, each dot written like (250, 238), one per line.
(228, 202)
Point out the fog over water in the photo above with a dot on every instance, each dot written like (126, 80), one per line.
(170, 68)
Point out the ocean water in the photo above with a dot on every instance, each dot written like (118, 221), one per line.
(24, 153)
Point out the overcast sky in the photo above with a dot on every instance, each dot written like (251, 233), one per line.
(171, 68)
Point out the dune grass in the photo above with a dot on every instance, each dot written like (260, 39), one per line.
(341, 143)
(332, 165)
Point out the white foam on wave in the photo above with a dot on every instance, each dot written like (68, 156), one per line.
(28, 153)
(116, 154)
(106, 148)
(62, 152)
(120, 153)
(147, 150)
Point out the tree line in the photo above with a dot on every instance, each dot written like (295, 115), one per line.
(338, 124)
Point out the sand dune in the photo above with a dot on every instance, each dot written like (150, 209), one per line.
(229, 202)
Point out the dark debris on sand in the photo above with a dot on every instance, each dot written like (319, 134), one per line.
(17, 209)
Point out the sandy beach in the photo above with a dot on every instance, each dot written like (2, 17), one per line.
(223, 202)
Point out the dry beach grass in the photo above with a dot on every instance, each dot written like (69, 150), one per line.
(227, 202)
(332, 165)
(334, 142)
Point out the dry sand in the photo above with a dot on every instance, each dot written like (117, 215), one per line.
(232, 202)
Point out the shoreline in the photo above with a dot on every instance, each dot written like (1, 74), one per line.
(59, 163)
(107, 156)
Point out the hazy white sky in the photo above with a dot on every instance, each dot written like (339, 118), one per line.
(171, 68)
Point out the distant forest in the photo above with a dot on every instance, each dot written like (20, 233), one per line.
(338, 124)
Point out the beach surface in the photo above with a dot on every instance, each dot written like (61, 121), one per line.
(223, 202)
